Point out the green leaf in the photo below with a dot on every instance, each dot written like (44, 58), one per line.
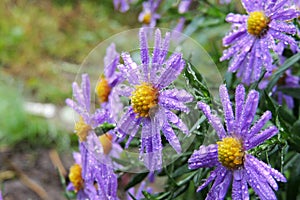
(196, 84)
(287, 64)
(294, 92)
(136, 179)
(148, 196)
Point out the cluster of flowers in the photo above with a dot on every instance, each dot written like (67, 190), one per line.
(152, 103)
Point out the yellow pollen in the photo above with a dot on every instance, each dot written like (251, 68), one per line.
(147, 18)
(230, 152)
(105, 140)
(82, 129)
(143, 99)
(257, 23)
(75, 177)
(102, 90)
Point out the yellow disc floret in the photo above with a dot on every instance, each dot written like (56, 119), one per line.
(230, 152)
(103, 89)
(82, 129)
(147, 18)
(257, 23)
(105, 140)
(143, 99)
(75, 177)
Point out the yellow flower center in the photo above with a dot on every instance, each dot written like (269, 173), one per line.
(82, 129)
(230, 152)
(75, 177)
(105, 140)
(103, 90)
(147, 18)
(257, 23)
(143, 99)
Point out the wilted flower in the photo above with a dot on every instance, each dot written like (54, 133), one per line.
(121, 5)
(288, 80)
(230, 156)
(151, 100)
(149, 16)
(255, 34)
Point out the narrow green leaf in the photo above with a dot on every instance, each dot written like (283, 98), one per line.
(136, 179)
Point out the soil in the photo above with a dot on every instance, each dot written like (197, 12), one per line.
(35, 166)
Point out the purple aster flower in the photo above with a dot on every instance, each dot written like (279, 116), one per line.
(122, 5)
(288, 80)
(105, 87)
(184, 5)
(229, 155)
(149, 16)
(151, 100)
(255, 34)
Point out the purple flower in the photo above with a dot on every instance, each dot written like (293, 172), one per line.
(151, 100)
(105, 87)
(286, 81)
(121, 5)
(230, 156)
(149, 16)
(184, 5)
(254, 35)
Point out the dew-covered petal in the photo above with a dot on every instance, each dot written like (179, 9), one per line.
(86, 91)
(252, 5)
(129, 69)
(174, 119)
(144, 48)
(227, 107)
(260, 138)
(220, 186)
(265, 173)
(239, 102)
(157, 48)
(172, 104)
(248, 112)
(236, 18)
(213, 120)
(206, 156)
(276, 174)
(171, 137)
(258, 183)
(211, 177)
(239, 185)
(165, 47)
(174, 66)
(234, 35)
(285, 38)
(282, 27)
(111, 60)
(127, 124)
(180, 95)
(286, 14)
(245, 39)
(123, 90)
(259, 124)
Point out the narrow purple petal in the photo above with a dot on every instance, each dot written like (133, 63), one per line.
(266, 56)
(171, 137)
(86, 90)
(206, 156)
(144, 53)
(129, 69)
(123, 90)
(248, 112)
(260, 138)
(286, 14)
(259, 124)
(211, 177)
(165, 47)
(184, 6)
(172, 104)
(174, 66)
(236, 18)
(174, 119)
(251, 5)
(111, 60)
(285, 38)
(282, 27)
(239, 185)
(213, 120)
(157, 47)
(258, 183)
(220, 186)
(127, 124)
(234, 35)
(227, 107)
(239, 102)
(180, 95)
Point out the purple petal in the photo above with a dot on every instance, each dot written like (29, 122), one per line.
(213, 120)
(174, 119)
(127, 124)
(266, 56)
(259, 124)
(111, 60)
(234, 35)
(286, 14)
(239, 102)
(220, 186)
(252, 5)
(86, 90)
(227, 107)
(157, 48)
(144, 52)
(129, 69)
(184, 6)
(180, 95)
(239, 185)
(171, 137)
(260, 138)
(211, 177)
(172, 104)
(285, 38)
(206, 156)
(282, 27)
(248, 112)
(123, 90)
(174, 66)
(236, 18)
(165, 47)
